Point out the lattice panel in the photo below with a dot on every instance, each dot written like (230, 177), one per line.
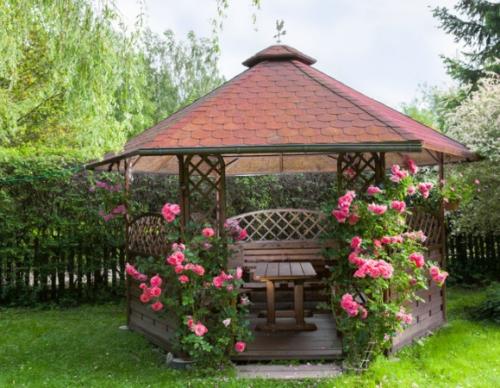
(147, 236)
(204, 183)
(282, 224)
(357, 171)
(427, 223)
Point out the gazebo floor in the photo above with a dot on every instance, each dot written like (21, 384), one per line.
(321, 344)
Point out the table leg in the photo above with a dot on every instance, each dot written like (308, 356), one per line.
(271, 312)
(298, 295)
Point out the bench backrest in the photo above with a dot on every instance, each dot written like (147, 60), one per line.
(280, 235)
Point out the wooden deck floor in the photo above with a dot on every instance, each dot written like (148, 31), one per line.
(321, 344)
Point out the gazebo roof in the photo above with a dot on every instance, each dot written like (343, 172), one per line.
(282, 105)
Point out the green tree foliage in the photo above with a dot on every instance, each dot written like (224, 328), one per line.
(475, 23)
(72, 76)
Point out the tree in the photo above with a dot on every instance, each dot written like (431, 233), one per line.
(73, 77)
(476, 23)
(476, 122)
(432, 104)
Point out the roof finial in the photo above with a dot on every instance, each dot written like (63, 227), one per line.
(280, 30)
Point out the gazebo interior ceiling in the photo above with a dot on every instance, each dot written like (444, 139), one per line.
(282, 115)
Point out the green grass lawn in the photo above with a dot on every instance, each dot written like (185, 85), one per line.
(83, 347)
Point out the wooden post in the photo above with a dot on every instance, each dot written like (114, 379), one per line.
(128, 182)
(271, 311)
(443, 230)
(298, 296)
(183, 193)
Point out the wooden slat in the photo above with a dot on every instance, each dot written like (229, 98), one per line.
(272, 270)
(284, 270)
(296, 269)
(308, 269)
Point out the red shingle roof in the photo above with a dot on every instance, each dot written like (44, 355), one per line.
(282, 100)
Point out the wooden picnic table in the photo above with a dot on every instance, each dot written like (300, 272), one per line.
(296, 272)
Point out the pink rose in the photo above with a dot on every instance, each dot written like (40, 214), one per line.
(242, 235)
(141, 277)
(340, 215)
(189, 321)
(403, 317)
(208, 232)
(399, 206)
(199, 329)
(398, 173)
(169, 211)
(239, 273)
(412, 166)
(356, 242)
(156, 281)
(418, 259)
(363, 312)
(218, 281)
(411, 190)
(226, 322)
(377, 209)
(477, 182)
(176, 258)
(350, 306)
(240, 346)
(145, 296)
(178, 269)
(155, 291)
(143, 286)
(372, 190)
(157, 306)
(355, 259)
(178, 247)
(183, 279)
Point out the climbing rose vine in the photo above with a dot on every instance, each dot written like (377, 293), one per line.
(193, 289)
(378, 264)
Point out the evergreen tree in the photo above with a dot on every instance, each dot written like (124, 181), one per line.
(476, 23)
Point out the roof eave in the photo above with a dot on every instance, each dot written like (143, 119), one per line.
(392, 146)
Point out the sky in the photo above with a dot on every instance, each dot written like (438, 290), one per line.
(383, 48)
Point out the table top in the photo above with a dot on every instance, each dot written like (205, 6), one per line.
(284, 271)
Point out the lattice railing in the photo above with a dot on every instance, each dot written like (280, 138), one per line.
(282, 224)
(427, 223)
(147, 236)
(357, 171)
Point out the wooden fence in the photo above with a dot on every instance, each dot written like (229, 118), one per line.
(473, 257)
(58, 268)
(54, 268)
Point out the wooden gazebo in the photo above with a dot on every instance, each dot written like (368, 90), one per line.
(281, 115)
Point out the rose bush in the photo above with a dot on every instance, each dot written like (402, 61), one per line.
(193, 287)
(379, 264)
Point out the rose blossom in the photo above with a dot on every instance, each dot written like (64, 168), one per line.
(157, 306)
(398, 173)
(178, 247)
(242, 235)
(437, 275)
(412, 166)
(418, 259)
(399, 206)
(374, 269)
(372, 190)
(240, 346)
(156, 281)
(176, 258)
(340, 215)
(356, 242)
(199, 329)
(364, 312)
(208, 232)
(401, 315)
(169, 211)
(183, 279)
(145, 296)
(155, 291)
(355, 259)
(377, 209)
(143, 286)
(189, 321)
(239, 273)
(349, 305)
(425, 188)
(411, 190)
